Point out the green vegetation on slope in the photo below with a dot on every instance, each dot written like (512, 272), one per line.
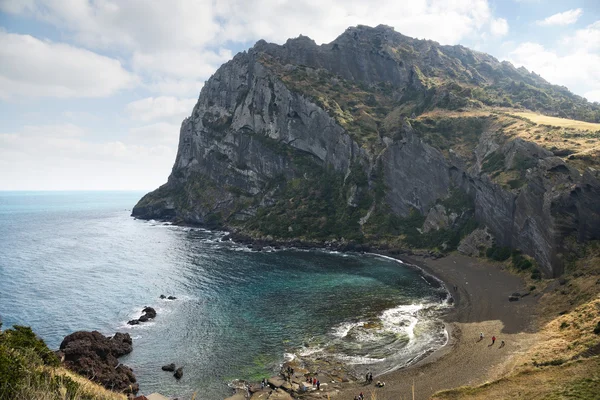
(29, 370)
(319, 205)
(386, 227)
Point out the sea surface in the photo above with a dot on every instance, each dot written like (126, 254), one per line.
(77, 261)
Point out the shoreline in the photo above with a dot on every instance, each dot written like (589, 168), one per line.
(481, 305)
(463, 359)
(480, 291)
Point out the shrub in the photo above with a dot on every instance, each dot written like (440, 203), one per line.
(536, 274)
(498, 253)
(520, 262)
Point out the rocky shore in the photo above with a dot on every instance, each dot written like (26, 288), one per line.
(95, 356)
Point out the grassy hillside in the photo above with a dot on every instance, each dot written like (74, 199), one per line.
(31, 371)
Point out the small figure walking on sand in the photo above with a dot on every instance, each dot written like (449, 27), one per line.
(502, 344)
(370, 377)
(367, 377)
(493, 340)
(318, 385)
(481, 336)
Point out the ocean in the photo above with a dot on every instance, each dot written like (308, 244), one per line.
(77, 261)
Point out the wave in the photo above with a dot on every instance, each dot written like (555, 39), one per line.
(396, 338)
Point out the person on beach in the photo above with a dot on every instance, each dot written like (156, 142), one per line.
(367, 377)
(493, 340)
(318, 385)
(370, 377)
(481, 336)
(502, 344)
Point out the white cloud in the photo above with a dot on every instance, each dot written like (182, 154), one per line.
(593, 95)
(128, 24)
(499, 27)
(587, 39)
(34, 68)
(577, 70)
(151, 27)
(274, 20)
(64, 157)
(152, 108)
(175, 45)
(158, 133)
(563, 18)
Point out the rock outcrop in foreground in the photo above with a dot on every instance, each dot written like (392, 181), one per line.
(95, 356)
(377, 137)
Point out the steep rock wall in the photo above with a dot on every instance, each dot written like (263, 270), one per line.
(248, 131)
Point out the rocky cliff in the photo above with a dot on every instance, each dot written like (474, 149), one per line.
(382, 138)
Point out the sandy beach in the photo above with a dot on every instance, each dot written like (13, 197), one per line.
(481, 292)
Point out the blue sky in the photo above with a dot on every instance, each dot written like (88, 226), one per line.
(92, 93)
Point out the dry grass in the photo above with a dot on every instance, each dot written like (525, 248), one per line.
(559, 122)
(47, 389)
(576, 380)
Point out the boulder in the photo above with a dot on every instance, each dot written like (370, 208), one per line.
(513, 298)
(162, 296)
(149, 312)
(133, 322)
(475, 242)
(239, 396)
(143, 318)
(94, 356)
(172, 298)
(169, 367)
(280, 395)
(276, 381)
(178, 373)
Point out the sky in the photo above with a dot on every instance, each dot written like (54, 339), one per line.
(93, 92)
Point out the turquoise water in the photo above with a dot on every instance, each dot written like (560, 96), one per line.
(77, 261)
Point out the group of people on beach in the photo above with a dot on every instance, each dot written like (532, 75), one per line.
(502, 344)
(314, 381)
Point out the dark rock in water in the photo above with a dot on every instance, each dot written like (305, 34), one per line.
(172, 298)
(133, 322)
(94, 356)
(162, 296)
(149, 312)
(143, 318)
(516, 294)
(513, 298)
(169, 367)
(179, 373)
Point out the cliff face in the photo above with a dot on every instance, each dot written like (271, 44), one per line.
(361, 137)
